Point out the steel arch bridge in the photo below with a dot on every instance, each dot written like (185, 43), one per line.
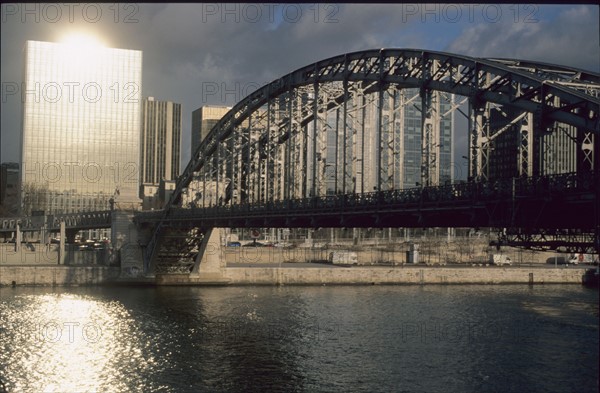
(377, 125)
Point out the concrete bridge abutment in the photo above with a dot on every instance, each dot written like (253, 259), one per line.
(126, 248)
(210, 264)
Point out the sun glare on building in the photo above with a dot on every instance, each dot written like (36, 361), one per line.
(82, 41)
(85, 97)
(81, 50)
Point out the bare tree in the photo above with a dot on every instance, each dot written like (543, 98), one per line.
(35, 197)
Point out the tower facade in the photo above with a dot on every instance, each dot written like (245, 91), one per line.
(80, 143)
(203, 120)
(161, 147)
(397, 144)
(161, 140)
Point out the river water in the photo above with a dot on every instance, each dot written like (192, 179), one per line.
(510, 338)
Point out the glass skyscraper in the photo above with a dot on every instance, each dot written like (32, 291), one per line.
(81, 127)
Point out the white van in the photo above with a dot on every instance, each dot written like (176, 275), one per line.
(343, 258)
(500, 260)
(581, 258)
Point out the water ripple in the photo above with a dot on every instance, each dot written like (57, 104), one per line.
(295, 339)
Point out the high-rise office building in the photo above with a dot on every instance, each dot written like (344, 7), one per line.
(203, 120)
(161, 147)
(442, 146)
(81, 127)
(375, 149)
(400, 144)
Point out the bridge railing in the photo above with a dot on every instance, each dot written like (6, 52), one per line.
(464, 192)
(83, 220)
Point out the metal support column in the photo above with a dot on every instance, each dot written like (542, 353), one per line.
(313, 191)
(526, 146)
(378, 137)
(288, 146)
(345, 135)
(362, 144)
(337, 150)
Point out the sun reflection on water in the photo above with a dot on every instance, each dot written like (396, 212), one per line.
(71, 343)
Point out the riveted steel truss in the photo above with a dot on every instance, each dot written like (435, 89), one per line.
(382, 120)
(292, 117)
(562, 240)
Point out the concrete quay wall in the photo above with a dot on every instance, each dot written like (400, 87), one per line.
(57, 275)
(400, 275)
(40, 254)
(257, 255)
(98, 275)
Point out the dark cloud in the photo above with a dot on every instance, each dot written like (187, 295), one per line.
(188, 47)
(572, 39)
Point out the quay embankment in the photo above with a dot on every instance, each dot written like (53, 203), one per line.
(296, 275)
(57, 275)
(35, 264)
(273, 267)
(370, 275)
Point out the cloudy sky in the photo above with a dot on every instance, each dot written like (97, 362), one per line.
(191, 49)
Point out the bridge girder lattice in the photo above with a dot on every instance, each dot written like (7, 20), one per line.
(339, 127)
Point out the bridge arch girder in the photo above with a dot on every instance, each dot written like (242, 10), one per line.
(503, 82)
(271, 150)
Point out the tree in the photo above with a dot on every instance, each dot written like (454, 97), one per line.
(35, 197)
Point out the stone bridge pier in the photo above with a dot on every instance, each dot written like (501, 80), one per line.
(210, 262)
(130, 240)
(126, 244)
(187, 256)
